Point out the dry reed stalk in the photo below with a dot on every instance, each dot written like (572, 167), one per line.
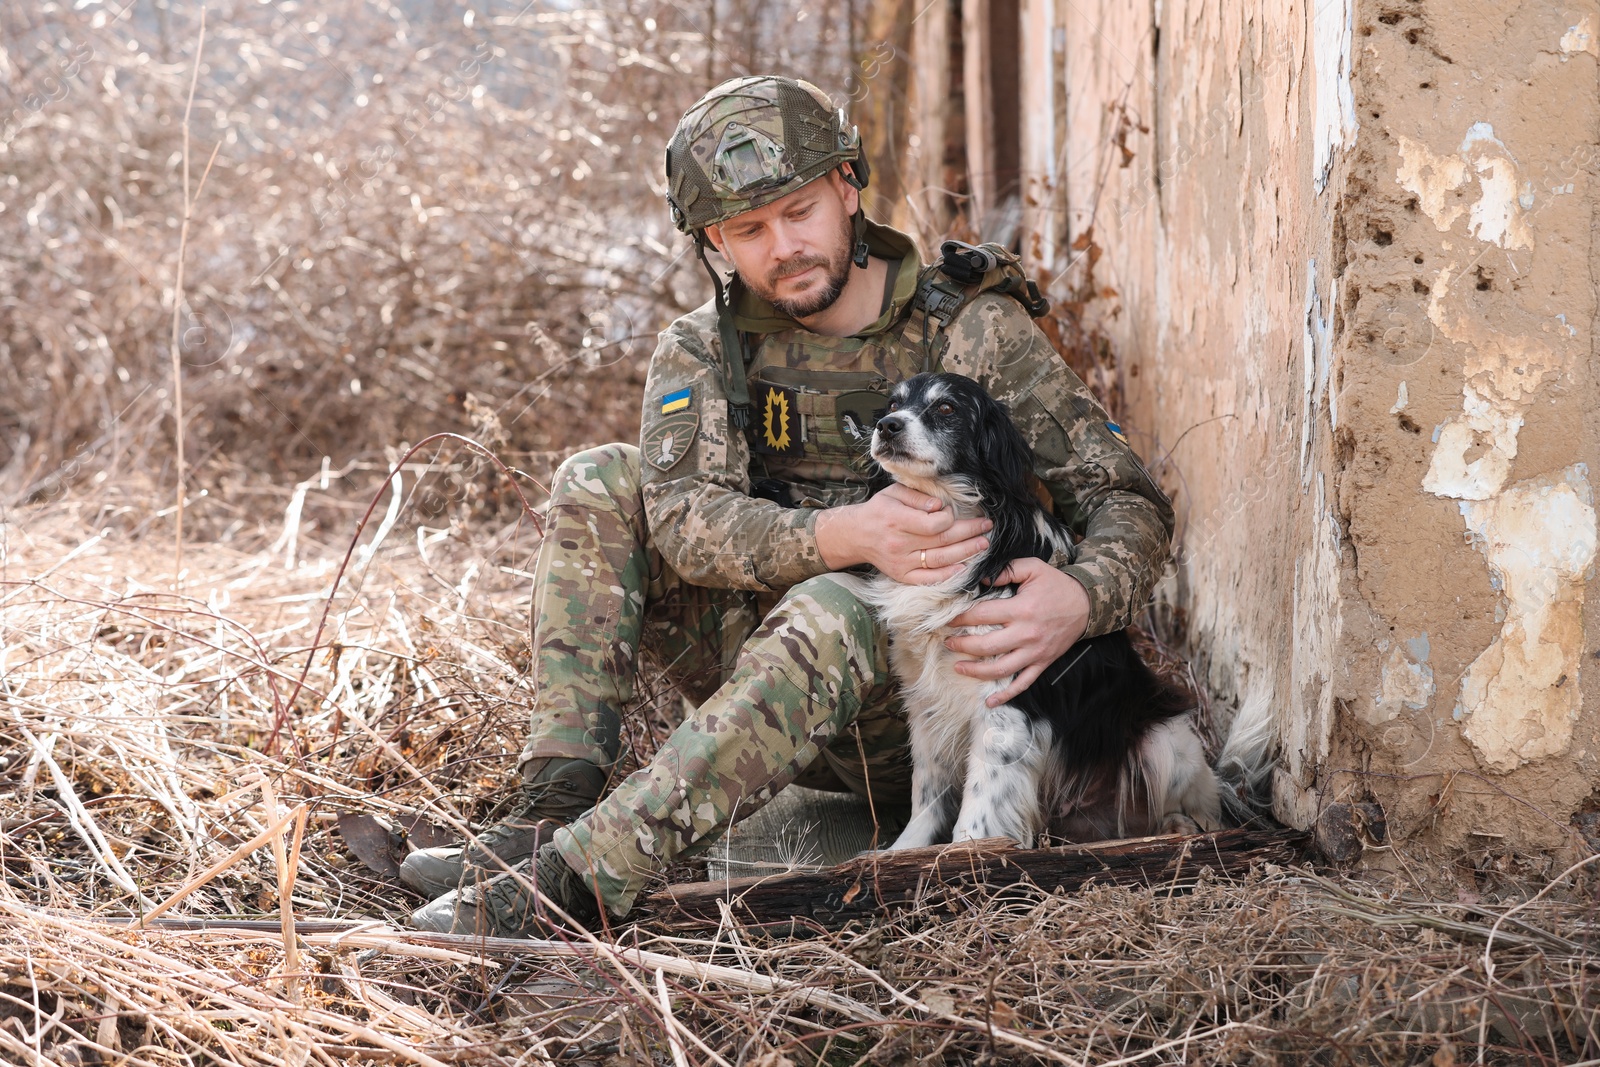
(287, 864)
(273, 832)
(679, 1057)
(682, 1030)
(178, 300)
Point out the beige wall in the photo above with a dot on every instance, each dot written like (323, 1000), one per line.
(1348, 258)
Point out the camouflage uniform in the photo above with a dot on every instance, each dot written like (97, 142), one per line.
(666, 544)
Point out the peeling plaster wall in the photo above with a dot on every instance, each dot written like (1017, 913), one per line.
(1348, 253)
(1196, 146)
(1469, 223)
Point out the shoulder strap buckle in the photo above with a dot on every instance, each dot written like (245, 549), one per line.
(939, 300)
(991, 267)
(1026, 293)
(967, 264)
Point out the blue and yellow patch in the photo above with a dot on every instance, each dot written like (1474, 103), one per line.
(676, 401)
(1116, 431)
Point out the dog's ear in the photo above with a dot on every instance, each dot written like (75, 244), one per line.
(1007, 499)
(1005, 452)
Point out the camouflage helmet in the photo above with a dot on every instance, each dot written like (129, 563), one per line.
(751, 141)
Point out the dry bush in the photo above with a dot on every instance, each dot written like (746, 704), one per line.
(411, 203)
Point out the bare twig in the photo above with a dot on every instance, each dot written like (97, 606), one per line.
(178, 301)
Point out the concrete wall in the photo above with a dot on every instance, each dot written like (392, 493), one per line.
(1348, 255)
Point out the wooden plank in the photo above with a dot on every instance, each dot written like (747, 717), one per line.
(878, 882)
(927, 190)
(1040, 108)
(979, 107)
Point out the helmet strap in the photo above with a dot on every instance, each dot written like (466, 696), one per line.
(855, 172)
(732, 346)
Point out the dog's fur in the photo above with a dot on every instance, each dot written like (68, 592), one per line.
(1098, 746)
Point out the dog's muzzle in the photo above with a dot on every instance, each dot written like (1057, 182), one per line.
(885, 434)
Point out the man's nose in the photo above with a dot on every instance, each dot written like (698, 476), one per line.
(890, 425)
(786, 240)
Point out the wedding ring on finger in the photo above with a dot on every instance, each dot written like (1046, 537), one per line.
(924, 559)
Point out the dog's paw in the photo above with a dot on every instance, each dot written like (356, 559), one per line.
(1179, 823)
(874, 854)
(914, 837)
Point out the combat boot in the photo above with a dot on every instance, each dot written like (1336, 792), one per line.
(504, 905)
(553, 793)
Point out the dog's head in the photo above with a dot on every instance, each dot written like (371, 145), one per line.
(945, 436)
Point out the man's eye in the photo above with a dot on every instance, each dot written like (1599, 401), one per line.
(945, 408)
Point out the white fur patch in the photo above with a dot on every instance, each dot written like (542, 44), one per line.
(1173, 764)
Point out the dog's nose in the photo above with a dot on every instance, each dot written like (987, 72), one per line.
(890, 425)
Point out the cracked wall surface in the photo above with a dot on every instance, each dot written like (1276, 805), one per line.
(1348, 253)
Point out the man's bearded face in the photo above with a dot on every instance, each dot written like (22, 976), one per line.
(824, 274)
(795, 253)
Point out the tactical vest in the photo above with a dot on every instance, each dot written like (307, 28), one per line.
(814, 400)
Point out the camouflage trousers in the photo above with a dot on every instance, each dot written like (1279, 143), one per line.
(802, 695)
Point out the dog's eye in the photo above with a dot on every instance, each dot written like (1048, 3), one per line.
(894, 405)
(944, 407)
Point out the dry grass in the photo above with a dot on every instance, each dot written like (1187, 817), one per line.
(134, 735)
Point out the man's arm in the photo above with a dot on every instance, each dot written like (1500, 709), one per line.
(1097, 482)
(696, 471)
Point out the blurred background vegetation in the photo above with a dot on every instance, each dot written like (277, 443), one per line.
(421, 216)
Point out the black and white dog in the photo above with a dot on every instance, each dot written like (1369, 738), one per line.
(1098, 747)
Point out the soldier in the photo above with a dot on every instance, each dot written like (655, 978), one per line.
(712, 542)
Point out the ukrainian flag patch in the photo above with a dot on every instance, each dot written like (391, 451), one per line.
(676, 401)
(1116, 431)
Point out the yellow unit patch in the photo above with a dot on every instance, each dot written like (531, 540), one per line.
(777, 422)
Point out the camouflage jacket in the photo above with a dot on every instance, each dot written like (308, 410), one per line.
(699, 471)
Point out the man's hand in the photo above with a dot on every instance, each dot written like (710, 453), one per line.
(910, 536)
(1045, 618)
